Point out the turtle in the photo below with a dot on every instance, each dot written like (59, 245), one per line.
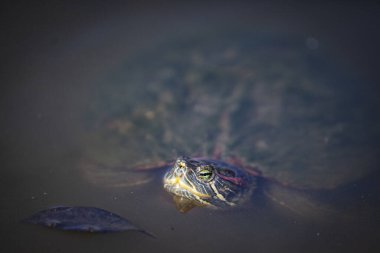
(243, 106)
(221, 113)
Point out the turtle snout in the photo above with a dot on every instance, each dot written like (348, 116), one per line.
(179, 172)
(174, 176)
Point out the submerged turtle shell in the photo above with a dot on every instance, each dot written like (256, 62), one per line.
(290, 111)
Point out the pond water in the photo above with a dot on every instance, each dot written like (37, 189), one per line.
(110, 88)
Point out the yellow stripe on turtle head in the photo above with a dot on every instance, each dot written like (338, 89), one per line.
(190, 188)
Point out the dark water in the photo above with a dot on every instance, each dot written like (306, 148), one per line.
(59, 57)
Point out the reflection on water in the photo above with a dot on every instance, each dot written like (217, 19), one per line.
(274, 101)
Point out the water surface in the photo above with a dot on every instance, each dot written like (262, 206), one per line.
(62, 87)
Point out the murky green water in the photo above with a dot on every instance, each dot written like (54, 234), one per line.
(129, 90)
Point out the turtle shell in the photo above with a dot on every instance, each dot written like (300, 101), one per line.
(288, 109)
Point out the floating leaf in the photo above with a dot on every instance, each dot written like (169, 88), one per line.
(83, 219)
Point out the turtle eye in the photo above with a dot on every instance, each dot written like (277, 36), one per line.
(205, 175)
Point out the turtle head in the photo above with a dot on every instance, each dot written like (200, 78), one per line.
(201, 182)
